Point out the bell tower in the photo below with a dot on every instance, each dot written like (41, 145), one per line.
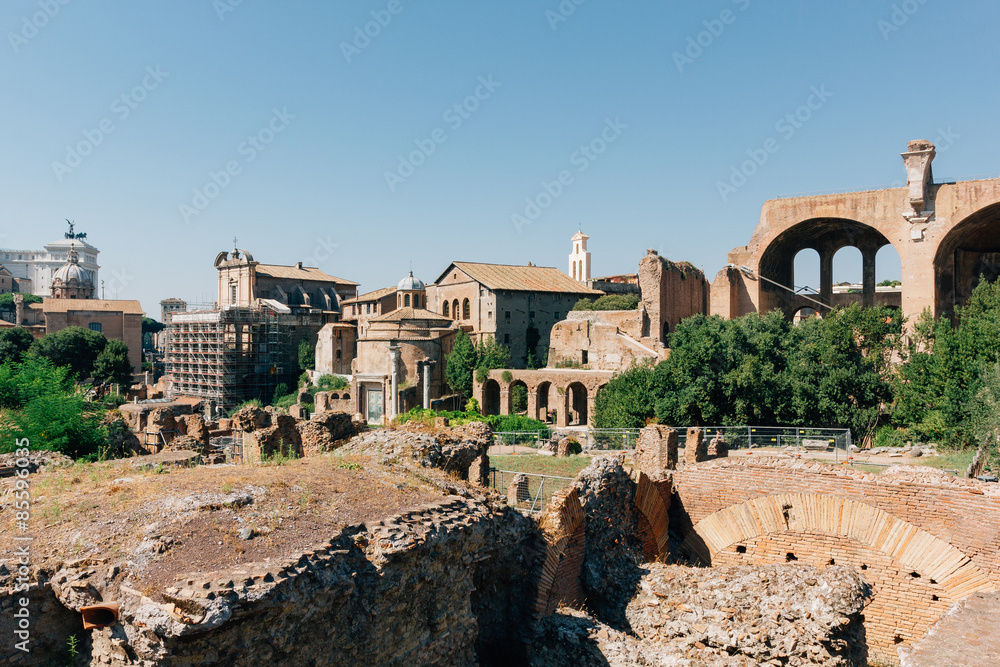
(579, 258)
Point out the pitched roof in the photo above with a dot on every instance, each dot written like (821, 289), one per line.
(295, 273)
(409, 313)
(520, 278)
(107, 305)
(371, 296)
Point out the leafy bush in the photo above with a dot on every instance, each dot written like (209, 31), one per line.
(472, 405)
(331, 383)
(280, 391)
(609, 302)
(890, 436)
(499, 423)
(255, 402)
(519, 398)
(507, 376)
(112, 401)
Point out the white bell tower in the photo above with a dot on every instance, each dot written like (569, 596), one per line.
(579, 259)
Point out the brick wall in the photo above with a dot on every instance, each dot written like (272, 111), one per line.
(922, 539)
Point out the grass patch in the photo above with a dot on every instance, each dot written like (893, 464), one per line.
(559, 466)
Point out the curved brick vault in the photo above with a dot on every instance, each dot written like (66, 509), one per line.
(913, 548)
(922, 539)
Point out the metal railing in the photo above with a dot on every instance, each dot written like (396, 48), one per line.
(539, 491)
(512, 439)
(749, 437)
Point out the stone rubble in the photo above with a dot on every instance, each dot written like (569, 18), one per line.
(719, 617)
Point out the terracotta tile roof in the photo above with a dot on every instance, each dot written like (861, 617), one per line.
(521, 278)
(371, 296)
(295, 273)
(408, 313)
(109, 305)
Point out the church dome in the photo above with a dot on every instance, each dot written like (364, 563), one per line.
(409, 283)
(70, 280)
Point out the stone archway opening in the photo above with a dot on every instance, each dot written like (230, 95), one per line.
(825, 236)
(968, 254)
(577, 402)
(805, 313)
(542, 402)
(491, 397)
(517, 395)
(805, 276)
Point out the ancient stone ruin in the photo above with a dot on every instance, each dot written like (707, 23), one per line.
(809, 564)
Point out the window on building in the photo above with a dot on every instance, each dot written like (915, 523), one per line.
(406, 300)
(506, 339)
(338, 355)
(506, 315)
(95, 326)
(454, 309)
(583, 356)
(369, 308)
(466, 310)
(531, 314)
(489, 315)
(232, 293)
(444, 311)
(416, 300)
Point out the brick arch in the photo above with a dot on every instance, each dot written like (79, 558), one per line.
(913, 548)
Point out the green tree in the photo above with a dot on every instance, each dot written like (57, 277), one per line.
(307, 355)
(7, 301)
(112, 365)
(151, 326)
(20, 383)
(459, 366)
(519, 398)
(75, 347)
(14, 342)
(627, 400)
(943, 369)
(490, 354)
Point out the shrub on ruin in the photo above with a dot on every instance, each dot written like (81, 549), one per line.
(331, 383)
(609, 302)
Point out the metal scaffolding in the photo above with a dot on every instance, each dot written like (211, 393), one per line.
(228, 356)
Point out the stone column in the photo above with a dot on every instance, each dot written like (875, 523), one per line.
(18, 310)
(695, 449)
(426, 366)
(505, 400)
(393, 370)
(533, 403)
(868, 276)
(562, 406)
(826, 276)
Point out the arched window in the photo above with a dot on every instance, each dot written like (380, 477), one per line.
(574, 270)
(445, 310)
(406, 300)
(416, 300)
(454, 308)
(466, 310)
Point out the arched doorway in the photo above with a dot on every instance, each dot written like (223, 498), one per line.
(577, 401)
(491, 397)
(517, 394)
(542, 401)
(969, 253)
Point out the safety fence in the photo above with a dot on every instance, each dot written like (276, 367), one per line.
(533, 491)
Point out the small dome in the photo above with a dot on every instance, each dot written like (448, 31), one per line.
(409, 283)
(71, 271)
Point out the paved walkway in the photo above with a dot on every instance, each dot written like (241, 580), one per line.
(966, 636)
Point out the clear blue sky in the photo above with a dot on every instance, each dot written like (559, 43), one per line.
(318, 191)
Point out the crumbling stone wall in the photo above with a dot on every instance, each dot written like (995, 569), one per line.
(326, 431)
(695, 449)
(453, 449)
(446, 583)
(671, 291)
(614, 553)
(656, 450)
(922, 538)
